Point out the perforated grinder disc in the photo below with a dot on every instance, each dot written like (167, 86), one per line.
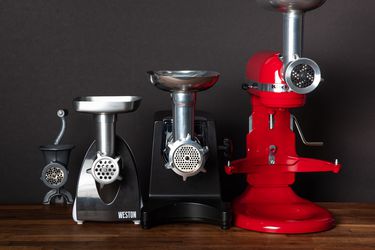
(105, 170)
(187, 159)
(302, 75)
(54, 175)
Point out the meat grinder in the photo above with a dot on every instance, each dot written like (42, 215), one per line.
(184, 180)
(278, 82)
(108, 188)
(55, 172)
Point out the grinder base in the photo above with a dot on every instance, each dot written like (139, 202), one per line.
(159, 212)
(279, 210)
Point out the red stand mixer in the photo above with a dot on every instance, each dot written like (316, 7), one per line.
(279, 82)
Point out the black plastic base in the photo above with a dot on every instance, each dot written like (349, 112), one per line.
(164, 212)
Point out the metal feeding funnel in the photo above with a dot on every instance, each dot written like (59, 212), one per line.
(183, 80)
(106, 104)
(291, 5)
(183, 85)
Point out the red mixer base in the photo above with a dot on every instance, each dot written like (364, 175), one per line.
(279, 210)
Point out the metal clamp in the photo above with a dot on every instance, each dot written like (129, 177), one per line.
(267, 87)
(307, 143)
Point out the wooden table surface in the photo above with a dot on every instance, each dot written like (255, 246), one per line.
(44, 227)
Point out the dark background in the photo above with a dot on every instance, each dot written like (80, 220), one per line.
(52, 51)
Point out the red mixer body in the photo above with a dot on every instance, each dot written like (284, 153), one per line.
(269, 204)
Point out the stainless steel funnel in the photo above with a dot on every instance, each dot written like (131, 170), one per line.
(183, 86)
(291, 5)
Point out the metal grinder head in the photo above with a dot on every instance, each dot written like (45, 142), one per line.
(54, 175)
(105, 169)
(186, 157)
(302, 75)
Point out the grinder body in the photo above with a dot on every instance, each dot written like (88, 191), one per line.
(269, 204)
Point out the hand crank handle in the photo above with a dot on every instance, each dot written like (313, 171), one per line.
(307, 143)
(61, 113)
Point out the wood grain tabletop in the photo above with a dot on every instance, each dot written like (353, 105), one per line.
(51, 227)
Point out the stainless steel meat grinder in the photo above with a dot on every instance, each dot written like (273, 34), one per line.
(184, 180)
(108, 188)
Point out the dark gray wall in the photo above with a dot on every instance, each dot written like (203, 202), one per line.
(52, 51)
